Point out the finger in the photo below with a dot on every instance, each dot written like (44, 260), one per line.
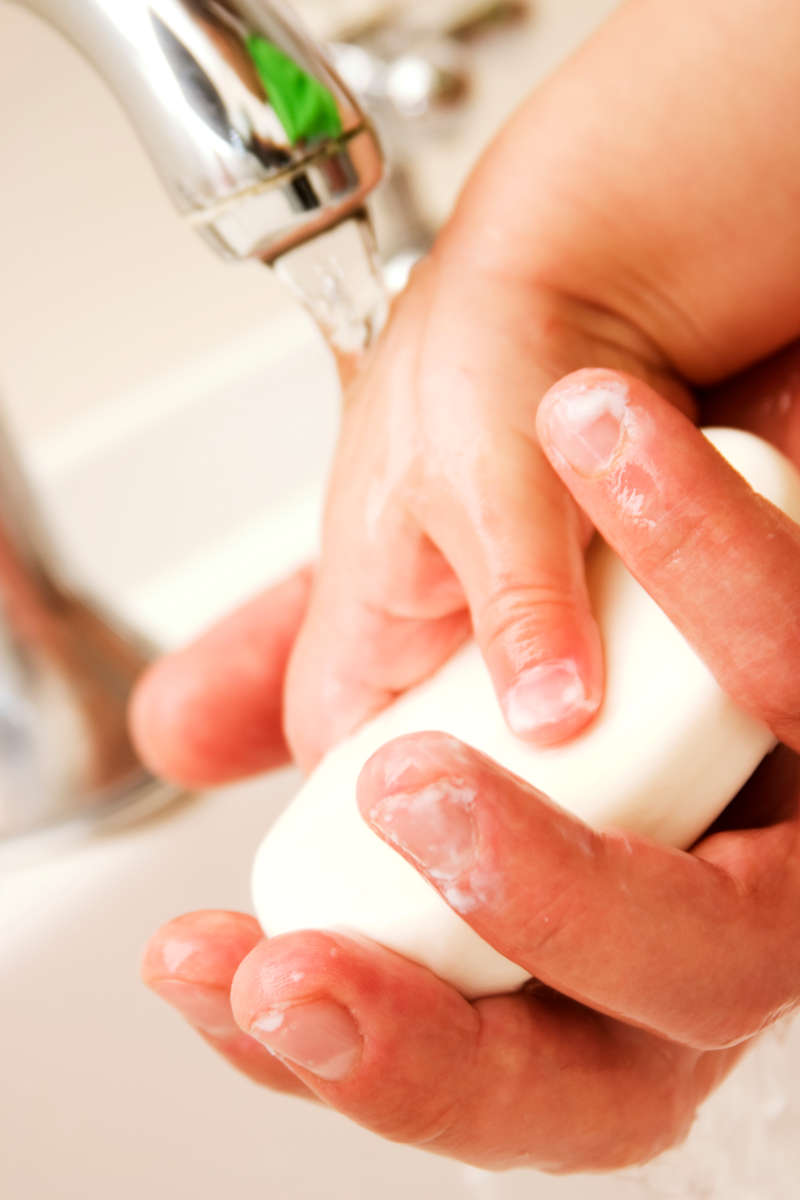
(190, 963)
(723, 563)
(492, 503)
(386, 609)
(530, 1079)
(353, 655)
(213, 712)
(692, 949)
(516, 540)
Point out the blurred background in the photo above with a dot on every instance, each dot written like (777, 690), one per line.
(175, 416)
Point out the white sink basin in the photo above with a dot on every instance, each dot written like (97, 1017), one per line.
(171, 504)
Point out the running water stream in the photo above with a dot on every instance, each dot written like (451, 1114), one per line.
(339, 278)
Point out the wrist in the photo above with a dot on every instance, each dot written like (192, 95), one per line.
(523, 306)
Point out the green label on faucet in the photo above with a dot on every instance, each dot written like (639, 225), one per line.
(304, 106)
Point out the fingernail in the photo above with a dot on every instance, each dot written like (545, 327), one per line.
(585, 422)
(544, 696)
(434, 826)
(207, 1009)
(318, 1035)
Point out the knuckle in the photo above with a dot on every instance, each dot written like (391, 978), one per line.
(641, 1131)
(415, 1124)
(666, 1120)
(409, 582)
(523, 613)
(744, 992)
(410, 1104)
(722, 1032)
(678, 534)
(726, 1026)
(546, 923)
(669, 1129)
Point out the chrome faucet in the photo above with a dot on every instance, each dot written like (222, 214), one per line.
(255, 137)
(262, 148)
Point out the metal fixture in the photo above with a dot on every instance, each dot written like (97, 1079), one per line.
(256, 139)
(265, 150)
(262, 148)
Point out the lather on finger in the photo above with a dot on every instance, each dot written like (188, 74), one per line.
(690, 946)
(723, 563)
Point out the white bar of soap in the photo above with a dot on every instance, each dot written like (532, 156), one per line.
(667, 752)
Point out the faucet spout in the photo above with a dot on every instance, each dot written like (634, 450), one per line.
(263, 149)
(255, 137)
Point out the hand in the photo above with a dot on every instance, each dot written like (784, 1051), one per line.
(655, 966)
(444, 516)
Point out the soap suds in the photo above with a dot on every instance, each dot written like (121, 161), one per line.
(479, 889)
(460, 899)
(406, 766)
(270, 1021)
(632, 503)
(429, 826)
(588, 402)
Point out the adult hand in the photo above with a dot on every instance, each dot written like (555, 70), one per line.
(655, 966)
